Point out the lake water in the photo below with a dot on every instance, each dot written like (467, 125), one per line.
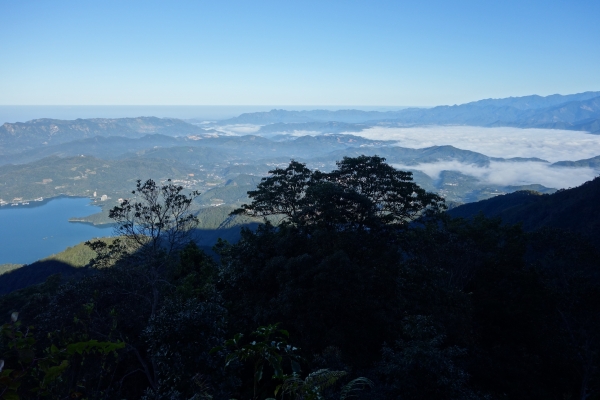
(30, 233)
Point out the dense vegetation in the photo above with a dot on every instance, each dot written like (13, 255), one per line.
(573, 210)
(364, 288)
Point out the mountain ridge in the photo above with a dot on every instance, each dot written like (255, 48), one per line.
(21, 136)
(573, 209)
(579, 111)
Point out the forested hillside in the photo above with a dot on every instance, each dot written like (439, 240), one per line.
(575, 210)
(359, 285)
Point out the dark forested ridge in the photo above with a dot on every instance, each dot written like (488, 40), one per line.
(573, 209)
(364, 288)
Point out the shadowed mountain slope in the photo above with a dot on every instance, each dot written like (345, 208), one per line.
(574, 209)
(35, 273)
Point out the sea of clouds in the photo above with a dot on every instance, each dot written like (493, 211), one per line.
(511, 173)
(548, 144)
(239, 129)
(251, 129)
(551, 145)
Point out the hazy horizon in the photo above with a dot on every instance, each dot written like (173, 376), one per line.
(24, 113)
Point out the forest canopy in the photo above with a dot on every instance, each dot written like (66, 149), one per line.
(363, 192)
(366, 289)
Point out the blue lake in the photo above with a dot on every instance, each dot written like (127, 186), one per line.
(29, 233)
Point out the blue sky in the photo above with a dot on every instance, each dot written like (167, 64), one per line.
(400, 53)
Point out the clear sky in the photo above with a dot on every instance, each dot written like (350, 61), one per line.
(402, 53)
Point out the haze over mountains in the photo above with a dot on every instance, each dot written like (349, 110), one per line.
(574, 112)
(464, 152)
(577, 112)
(47, 132)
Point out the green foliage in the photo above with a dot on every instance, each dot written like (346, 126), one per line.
(375, 297)
(106, 252)
(4, 268)
(195, 273)
(79, 255)
(315, 285)
(24, 371)
(30, 300)
(350, 389)
(422, 366)
(169, 325)
(178, 340)
(313, 386)
(398, 200)
(270, 348)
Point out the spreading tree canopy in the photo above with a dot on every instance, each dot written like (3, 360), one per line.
(363, 192)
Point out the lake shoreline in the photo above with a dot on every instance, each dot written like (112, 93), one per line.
(36, 231)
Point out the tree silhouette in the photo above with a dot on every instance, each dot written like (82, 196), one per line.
(363, 192)
(155, 224)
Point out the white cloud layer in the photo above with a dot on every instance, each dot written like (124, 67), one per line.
(239, 129)
(512, 173)
(549, 144)
(251, 129)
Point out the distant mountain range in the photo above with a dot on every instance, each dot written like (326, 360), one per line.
(593, 162)
(46, 154)
(575, 112)
(112, 164)
(20, 136)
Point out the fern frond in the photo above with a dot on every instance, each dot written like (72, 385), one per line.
(349, 390)
(313, 385)
(323, 378)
